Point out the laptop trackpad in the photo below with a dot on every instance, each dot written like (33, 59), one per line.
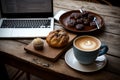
(28, 32)
(22, 32)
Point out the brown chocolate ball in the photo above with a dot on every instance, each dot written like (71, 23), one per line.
(90, 17)
(79, 20)
(93, 24)
(86, 21)
(85, 14)
(71, 22)
(75, 15)
(79, 26)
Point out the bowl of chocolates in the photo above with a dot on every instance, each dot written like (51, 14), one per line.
(84, 21)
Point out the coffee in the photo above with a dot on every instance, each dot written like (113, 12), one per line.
(87, 48)
(87, 43)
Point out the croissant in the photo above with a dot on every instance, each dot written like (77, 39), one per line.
(57, 38)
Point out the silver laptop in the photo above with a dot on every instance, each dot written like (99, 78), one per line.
(26, 18)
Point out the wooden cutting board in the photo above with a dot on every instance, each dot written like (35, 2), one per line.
(49, 52)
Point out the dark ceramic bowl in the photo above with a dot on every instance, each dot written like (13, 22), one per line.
(65, 17)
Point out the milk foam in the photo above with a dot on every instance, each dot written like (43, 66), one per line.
(87, 43)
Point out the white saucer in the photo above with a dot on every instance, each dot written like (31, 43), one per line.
(99, 63)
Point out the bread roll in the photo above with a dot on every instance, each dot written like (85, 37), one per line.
(57, 38)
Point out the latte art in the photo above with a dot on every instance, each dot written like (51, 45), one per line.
(87, 43)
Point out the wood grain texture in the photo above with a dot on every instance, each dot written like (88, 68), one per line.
(14, 54)
(57, 69)
(48, 52)
(97, 8)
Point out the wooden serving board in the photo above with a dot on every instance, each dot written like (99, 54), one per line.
(49, 52)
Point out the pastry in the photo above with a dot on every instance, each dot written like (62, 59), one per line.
(38, 43)
(79, 21)
(57, 38)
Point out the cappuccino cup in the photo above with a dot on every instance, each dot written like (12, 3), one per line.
(87, 48)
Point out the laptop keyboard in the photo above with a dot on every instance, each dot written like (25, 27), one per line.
(25, 24)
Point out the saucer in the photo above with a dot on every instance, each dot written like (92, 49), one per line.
(71, 61)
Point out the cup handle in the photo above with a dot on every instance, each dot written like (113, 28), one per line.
(103, 49)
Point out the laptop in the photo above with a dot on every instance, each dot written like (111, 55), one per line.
(26, 18)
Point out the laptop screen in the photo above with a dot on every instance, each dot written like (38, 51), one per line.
(26, 8)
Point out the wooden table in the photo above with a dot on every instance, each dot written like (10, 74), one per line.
(13, 53)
